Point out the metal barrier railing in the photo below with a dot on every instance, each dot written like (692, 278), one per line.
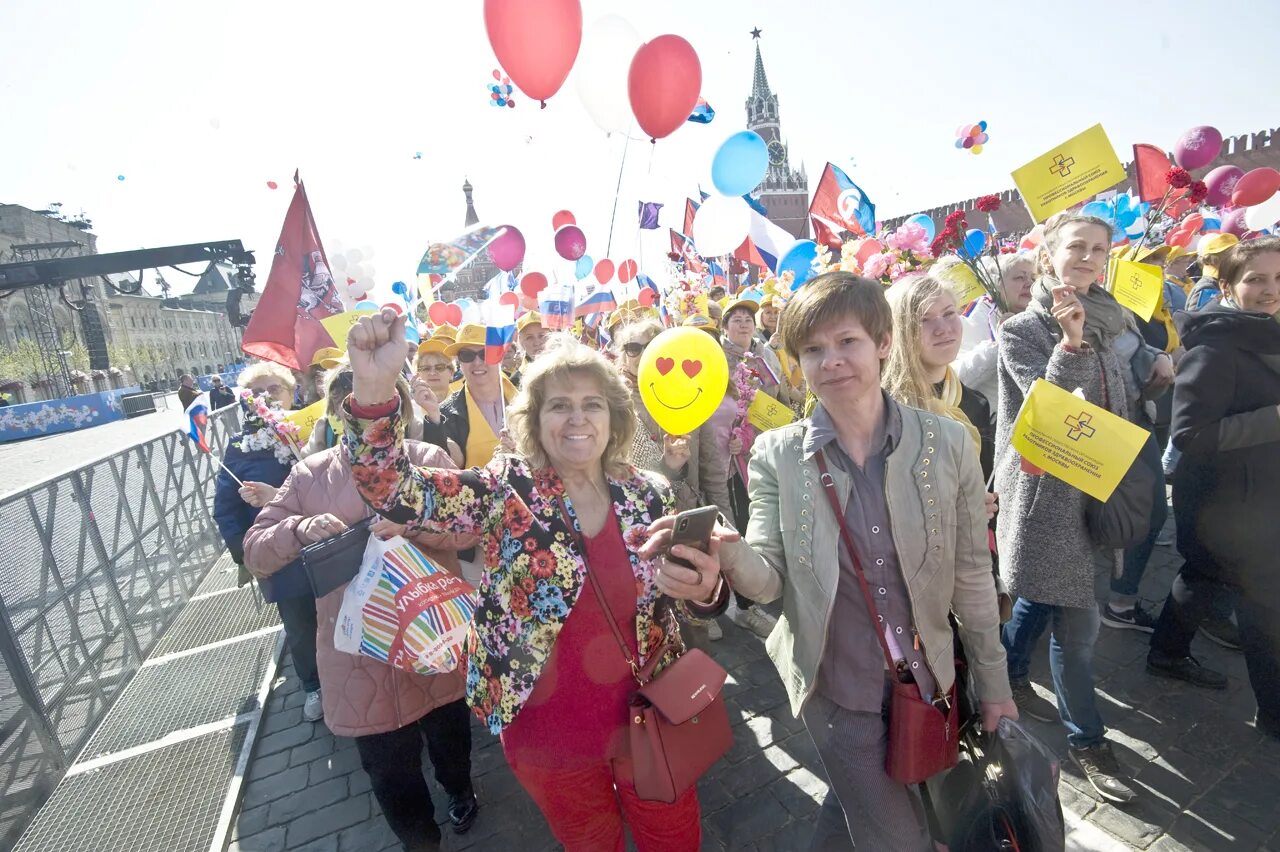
(94, 564)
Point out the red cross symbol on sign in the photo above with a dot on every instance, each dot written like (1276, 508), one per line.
(1080, 426)
(1062, 165)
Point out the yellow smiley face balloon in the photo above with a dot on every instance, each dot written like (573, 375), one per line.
(683, 376)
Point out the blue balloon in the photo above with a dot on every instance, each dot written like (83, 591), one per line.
(411, 334)
(1101, 209)
(799, 261)
(366, 305)
(930, 229)
(740, 164)
(400, 290)
(584, 266)
(1211, 224)
(974, 242)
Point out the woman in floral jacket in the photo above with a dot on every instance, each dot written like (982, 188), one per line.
(544, 670)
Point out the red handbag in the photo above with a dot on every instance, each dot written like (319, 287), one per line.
(924, 736)
(679, 726)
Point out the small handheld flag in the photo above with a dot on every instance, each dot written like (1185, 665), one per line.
(198, 430)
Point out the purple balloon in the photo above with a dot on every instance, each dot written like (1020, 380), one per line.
(1233, 222)
(1221, 182)
(1198, 147)
(508, 250)
(571, 243)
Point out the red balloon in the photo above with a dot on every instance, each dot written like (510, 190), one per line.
(272, 184)
(509, 298)
(571, 243)
(1256, 187)
(626, 271)
(564, 217)
(452, 314)
(604, 271)
(536, 41)
(532, 284)
(437, 313)
(646, 297)
(529, 303)
(663, 84)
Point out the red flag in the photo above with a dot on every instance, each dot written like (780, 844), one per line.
(825, 235)
(285, 326)
(748, 253)
(1151, 165)
(690, 208)
(843, 202)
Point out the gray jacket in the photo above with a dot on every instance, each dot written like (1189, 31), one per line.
(936, 505)
(1046, 554)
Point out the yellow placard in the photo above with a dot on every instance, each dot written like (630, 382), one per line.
(767, 413)
(1077, 169)
(306, 418)
(963, 284)
(339, 324)
(1082, 444)
(1137, 286)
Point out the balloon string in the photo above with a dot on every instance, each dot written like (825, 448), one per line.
(616, 191)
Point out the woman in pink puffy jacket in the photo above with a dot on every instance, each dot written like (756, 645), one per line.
(387, 710)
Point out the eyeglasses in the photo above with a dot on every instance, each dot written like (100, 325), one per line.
(635, 350)
(466, 356)
(436, 368)
(269, 390)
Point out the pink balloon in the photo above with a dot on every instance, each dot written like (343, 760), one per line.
(507, 250)
(1221, 183)
(571, 243)
(1256, 187)
(1198, 147)
(1233, 223)
(664, 83)
(536, 41)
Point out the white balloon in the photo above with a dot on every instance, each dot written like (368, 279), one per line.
(368, 252)
(355, 255)
(337, 262)
(1262, 216)
(720, 225)
(356, 271)
(608, 46)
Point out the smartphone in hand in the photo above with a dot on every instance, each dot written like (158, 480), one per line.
(693, 529)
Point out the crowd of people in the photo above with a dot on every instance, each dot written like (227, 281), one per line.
(545, 476)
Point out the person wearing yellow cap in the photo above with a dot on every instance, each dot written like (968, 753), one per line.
(739, 342)
(1211, 251)
(474, 416)
(433, 374)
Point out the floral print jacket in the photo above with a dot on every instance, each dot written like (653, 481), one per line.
(533, 568)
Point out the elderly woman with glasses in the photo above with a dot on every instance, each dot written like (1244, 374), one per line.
(545, 671)
(435, 373)
(474, 416)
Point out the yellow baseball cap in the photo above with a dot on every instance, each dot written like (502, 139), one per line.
(326, 357)
(470, 336)
(1216, 244)
(705, 323)
(528, 319)
(434, 344)
(749, 304)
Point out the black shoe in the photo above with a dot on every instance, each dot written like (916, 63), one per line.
(1031, 705)
(1185, 668)
(1135, 618)
(462, 811)
(1223, 631)
(1100, 766)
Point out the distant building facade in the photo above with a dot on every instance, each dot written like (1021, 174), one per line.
(784, 191)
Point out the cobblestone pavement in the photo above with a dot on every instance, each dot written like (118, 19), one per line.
(1207, 780)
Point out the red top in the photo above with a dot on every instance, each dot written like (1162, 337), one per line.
(577, 712)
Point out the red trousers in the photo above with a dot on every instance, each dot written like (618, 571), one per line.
(586, 809)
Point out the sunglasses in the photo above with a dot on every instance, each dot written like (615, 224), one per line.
(635, 350)
(269, 390)
(436, 368)
(466, 356)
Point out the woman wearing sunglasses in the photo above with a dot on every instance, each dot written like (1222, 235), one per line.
(474, 416)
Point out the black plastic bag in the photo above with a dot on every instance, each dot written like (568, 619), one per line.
(1003, 795)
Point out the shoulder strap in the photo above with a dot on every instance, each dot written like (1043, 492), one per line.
(828, 485)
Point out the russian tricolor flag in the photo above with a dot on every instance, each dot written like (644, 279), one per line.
(499, 312)
(555, 303)
(601, 301)
(198, 416)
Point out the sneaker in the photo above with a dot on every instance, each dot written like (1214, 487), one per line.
(1185, 668)
(1223, 631)
(1134, 618)
(1031, 705)
(1103, 771)
(462, 811)
(313, 710)
(756, 620)
(714, 633)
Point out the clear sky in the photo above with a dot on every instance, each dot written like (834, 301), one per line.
(198, 105)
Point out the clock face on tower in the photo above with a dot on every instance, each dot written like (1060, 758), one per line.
(777, 153)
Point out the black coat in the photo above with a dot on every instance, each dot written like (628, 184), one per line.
(1226, 422)
(454, 423)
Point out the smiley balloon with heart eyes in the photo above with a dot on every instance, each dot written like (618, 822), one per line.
(683, 376)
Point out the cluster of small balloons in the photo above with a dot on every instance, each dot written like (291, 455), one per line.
(1127, 215)
(971, 137)
(352, 272)
(538, 42)
(1255, 194)
(500, 92)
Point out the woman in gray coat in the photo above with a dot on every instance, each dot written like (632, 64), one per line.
(1077, 336)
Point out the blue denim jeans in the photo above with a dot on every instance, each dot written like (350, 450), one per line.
(1074, 632)
(1137, 557)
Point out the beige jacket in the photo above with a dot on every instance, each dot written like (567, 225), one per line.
(936, 506)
